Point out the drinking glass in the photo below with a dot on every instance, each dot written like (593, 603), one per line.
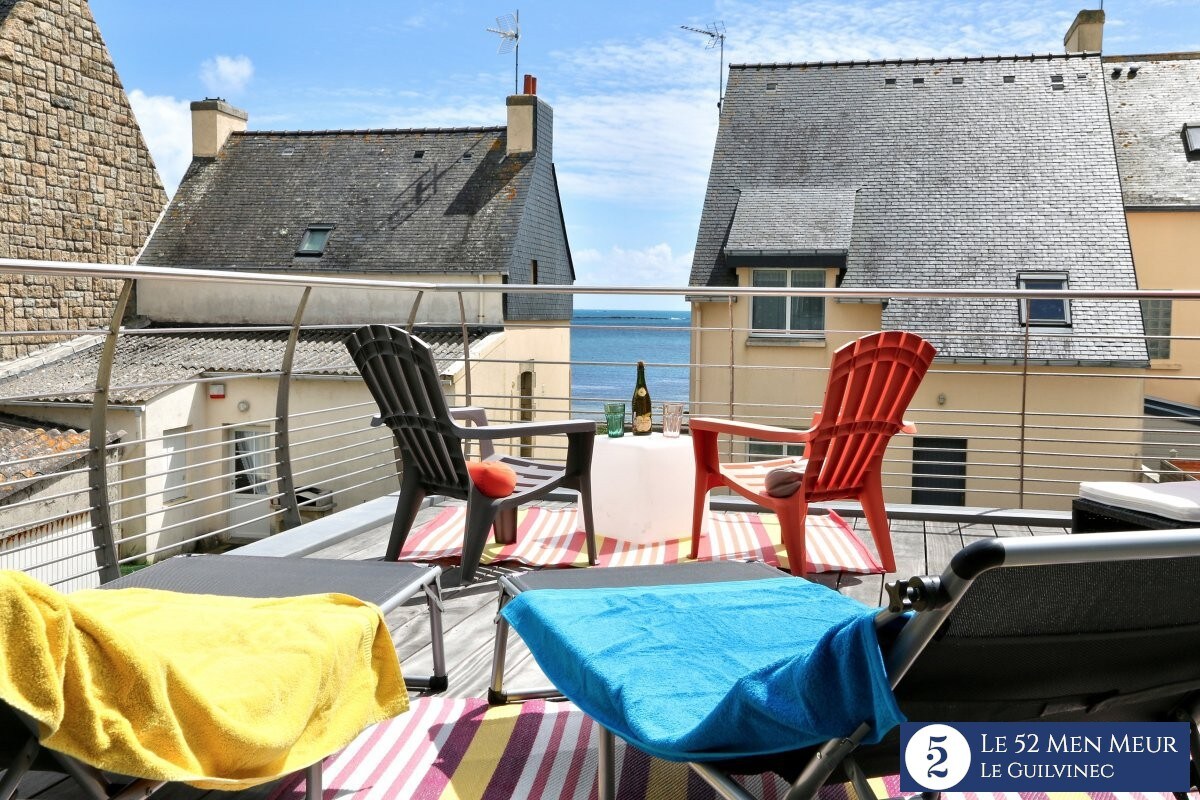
(614, 419)
(672, 419)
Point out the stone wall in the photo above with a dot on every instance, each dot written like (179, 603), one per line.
(77, 182)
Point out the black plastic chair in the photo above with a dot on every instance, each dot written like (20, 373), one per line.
(400, 371)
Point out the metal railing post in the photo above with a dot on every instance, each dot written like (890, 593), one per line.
(731, 356)
(101, 512)
(283, 449)
(412, 315)
(466, 340)
(1024, 411)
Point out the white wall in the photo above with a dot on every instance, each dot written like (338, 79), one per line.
(238, 304)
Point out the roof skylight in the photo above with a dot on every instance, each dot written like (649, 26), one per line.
(314, 239)
(1191, 140)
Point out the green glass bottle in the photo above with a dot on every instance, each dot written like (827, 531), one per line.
(641, 403)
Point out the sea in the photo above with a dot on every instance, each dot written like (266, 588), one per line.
(605, 349)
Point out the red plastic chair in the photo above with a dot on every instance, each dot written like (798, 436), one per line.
(871, 382)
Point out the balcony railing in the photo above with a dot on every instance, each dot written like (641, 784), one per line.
(170, 463)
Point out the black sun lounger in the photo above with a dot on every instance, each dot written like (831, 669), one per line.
(1103, 627)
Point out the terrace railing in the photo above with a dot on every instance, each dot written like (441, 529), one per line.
(154, 463)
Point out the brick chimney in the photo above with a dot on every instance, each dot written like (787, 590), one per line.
(212, 122)
(1086, 33)
(523, 119)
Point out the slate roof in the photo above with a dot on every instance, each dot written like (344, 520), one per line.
(146, 361)
(456, 209)
(925, 180)
(763, 220)
(1150, 100)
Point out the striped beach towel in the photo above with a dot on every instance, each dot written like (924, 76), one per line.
(552, 537)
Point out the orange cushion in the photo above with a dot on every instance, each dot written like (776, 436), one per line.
(492, 478)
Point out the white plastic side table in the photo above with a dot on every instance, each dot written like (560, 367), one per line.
(642, 488)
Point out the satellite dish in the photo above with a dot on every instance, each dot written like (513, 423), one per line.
(509, 29)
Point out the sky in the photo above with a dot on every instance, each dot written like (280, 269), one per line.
(634, 94)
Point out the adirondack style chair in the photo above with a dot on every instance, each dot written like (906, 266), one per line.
(400, 372)
(871, 382)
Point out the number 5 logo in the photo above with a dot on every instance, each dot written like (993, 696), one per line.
(937, 757)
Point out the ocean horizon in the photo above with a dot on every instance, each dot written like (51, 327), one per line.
(606, 345)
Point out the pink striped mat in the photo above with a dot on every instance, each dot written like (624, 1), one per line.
(447, 749)
(552, 537)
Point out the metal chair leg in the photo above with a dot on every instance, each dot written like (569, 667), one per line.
(606, 765)
(496, 695)
(313, 782)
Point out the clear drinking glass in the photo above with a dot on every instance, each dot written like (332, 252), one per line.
(614, 419)
(672, 419)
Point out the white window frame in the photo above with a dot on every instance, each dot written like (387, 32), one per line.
(175, 477)
(790, 328)
(1026, 305)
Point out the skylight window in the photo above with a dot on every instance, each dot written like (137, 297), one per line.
(1191, 140)
(418, 155)
(314, 239)
(1043, 311)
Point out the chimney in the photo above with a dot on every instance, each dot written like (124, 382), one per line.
(522, 119)
(212, 122)
(1086, 32)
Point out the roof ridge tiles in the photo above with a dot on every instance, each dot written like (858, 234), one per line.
(913, 61)
(372, 131)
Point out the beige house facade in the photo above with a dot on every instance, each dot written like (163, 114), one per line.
(963, 174)
(1155, 109)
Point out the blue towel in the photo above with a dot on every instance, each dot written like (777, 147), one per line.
(716, 670)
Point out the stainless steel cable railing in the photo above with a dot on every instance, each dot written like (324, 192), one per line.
(171, 481)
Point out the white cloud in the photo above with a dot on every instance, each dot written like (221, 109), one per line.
(166, 125)
(657, 265)
(647, 149)
(226, 75)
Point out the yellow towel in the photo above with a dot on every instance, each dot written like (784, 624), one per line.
(218, 692)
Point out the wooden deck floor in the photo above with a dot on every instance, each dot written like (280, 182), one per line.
(921, 547)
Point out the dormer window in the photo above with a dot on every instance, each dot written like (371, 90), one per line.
(1191, 140)
(1043, 311)
(314, 239)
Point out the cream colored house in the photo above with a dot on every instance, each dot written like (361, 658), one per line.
(1155, 108)
(985, 173)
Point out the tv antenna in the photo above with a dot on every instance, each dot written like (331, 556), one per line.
(716, 38)
(509, 28)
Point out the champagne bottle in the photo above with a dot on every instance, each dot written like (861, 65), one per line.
(641, 403)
